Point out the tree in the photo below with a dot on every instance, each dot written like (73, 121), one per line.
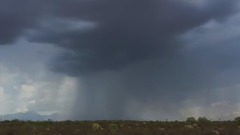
(191, 120)
(203, 120)
(237, 119)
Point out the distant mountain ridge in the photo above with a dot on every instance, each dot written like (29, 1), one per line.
(31, 115)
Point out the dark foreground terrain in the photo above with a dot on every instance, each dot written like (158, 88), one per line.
(118, 128)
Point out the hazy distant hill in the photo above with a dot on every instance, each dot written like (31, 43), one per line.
(31, 115)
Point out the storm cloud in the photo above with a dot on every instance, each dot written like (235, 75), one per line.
(125, 31)
(130, 54)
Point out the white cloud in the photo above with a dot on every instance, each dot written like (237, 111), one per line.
(22, 109)
(6, 76)
(48, 93)
(5, 104)
(218, 110)
(27, 91)
(26, 83)
(2, 94)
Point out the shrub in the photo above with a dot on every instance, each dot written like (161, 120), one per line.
(113, 126)
(191, 120)
(237, 119)
(203, 120)
(188, 126)
(96, 126)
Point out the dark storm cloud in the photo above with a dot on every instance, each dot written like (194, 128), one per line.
(15, 16)
(141, 39)
(126, 31)
(128, 50)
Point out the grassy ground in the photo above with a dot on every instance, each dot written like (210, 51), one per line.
(118, 128)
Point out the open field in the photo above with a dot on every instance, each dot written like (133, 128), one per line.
(118, 128)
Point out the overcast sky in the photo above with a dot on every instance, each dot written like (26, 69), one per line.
(121, 59)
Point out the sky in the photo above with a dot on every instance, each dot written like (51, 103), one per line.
(121, 59)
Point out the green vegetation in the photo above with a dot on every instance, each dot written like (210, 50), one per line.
(203, 120)
(96, 127)
(201, 126)
(237, 119)
(191, 120)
